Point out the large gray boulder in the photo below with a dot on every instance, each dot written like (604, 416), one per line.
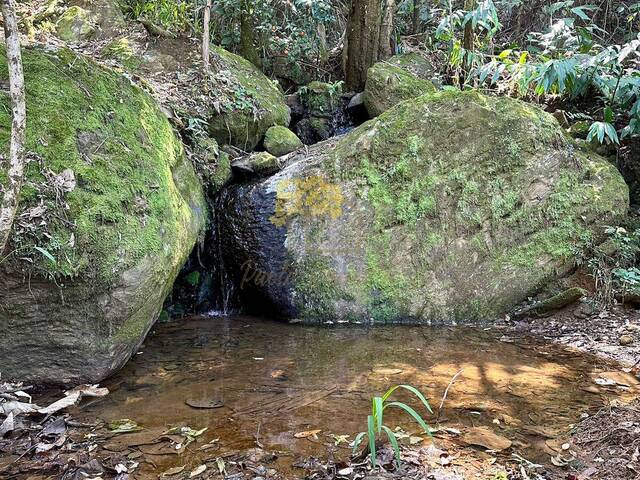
(449, 207)
(110, 210)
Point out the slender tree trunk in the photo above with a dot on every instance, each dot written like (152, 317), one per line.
(206, 40)
(247, 37)
(9, 203)
(415, 17)
(369, 38)
(468, 40)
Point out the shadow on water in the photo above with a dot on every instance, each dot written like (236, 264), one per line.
(276, 379)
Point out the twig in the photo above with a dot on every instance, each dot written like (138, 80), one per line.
(444, 397)
(258, 435)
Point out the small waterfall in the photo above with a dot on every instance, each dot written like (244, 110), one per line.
(224, 293)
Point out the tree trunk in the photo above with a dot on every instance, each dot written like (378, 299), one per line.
(247, 40)
(206, 39)
(369, 38)
(9, 203)
(415, 17)
(468, 40)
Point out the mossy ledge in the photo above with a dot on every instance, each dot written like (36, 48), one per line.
(114, 243)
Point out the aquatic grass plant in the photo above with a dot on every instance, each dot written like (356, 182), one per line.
(375, 421)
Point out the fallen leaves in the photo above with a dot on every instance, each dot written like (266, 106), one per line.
(124, 425)
(73, 396)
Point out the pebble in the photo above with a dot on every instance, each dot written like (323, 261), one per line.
(626, 340)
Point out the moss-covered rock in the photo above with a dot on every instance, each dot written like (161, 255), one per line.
(280, 140)
(75, 25)
(107, 15)
(449, 207)
(256, 163)
(390, 82)
(110, 210)
(249, 103)
(321, 99)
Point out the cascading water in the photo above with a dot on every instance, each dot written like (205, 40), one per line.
(224, 294)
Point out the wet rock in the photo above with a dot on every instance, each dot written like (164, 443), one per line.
(76, 25)
(114, 242)
(264, 103)
(453, 207)
(626, 340)
(402, 77)
(280, 140)
(356, 101)
(311, 130)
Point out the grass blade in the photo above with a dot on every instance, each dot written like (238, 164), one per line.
(414, 414)
(394, 443)
(418, 394)
(372, 440)
(357, 441)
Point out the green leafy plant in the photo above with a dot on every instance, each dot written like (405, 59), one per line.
(375, 421)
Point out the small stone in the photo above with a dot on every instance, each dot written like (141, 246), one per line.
(257, 163)
(626, 340)
(280, 140)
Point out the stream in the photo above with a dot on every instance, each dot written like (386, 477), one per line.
(264, 383)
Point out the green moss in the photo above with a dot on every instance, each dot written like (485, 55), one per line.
(460, 198)
(316, 288)
(321, 99)
(122, 51)
(132, 177)
(280, 140)
(388, 84)
(75, 24)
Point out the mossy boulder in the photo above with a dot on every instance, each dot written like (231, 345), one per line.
(249, 102)
(107, 15)
(110, 210)
(280, 140)
(321, 99)
(401, 78)
(450, 207)
(76, 25)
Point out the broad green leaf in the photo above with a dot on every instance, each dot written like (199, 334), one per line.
(413, 390)
(608, 115)
(414, 414)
